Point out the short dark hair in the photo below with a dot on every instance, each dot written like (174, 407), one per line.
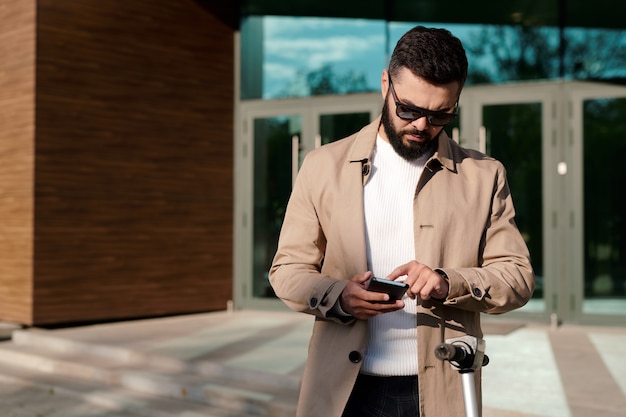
(433, 54)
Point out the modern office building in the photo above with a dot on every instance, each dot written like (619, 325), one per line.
(147, 148)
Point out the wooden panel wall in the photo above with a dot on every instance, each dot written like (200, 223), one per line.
(134, 160)
(17, 114)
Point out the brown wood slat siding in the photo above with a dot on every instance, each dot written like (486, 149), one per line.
(134, 157)
(17, 114)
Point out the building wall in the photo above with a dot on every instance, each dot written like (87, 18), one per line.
(133, 157)
(17, 115)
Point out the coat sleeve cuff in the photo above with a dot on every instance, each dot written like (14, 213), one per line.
(444, 276)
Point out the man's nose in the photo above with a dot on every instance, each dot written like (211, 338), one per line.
(421, 123)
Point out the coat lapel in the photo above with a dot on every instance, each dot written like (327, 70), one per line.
(355, 174)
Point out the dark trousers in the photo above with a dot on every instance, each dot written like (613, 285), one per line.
(380, 396)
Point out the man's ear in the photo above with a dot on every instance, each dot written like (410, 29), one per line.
(384, 83)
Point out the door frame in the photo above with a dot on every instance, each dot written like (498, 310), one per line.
(309, 109)
(472, 135)
(576, 94)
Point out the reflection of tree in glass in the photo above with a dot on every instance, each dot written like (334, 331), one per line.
(325, 80)
(515, 53)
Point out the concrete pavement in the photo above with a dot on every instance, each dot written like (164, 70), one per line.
(248, 363)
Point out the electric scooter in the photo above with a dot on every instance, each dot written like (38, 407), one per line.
(465, 354)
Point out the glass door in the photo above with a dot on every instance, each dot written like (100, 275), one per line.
(599, 146)
(272, 141)
(516, 125)
(277, 154)
(562, 145)
(513, 136)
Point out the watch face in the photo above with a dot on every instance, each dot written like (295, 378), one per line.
(442, 273)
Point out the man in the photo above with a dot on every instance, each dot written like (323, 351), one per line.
(399, 200)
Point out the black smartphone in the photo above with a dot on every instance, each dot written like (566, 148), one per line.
(395, 289)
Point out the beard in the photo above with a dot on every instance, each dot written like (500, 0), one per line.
(411, 150)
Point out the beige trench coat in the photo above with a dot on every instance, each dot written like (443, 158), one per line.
(463, 224)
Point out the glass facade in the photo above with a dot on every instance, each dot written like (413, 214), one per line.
(305, 56)
(308, 58)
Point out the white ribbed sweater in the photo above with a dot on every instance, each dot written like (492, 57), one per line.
(388, 204)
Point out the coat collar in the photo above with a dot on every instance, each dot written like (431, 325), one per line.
(446, 151)
(365, 142)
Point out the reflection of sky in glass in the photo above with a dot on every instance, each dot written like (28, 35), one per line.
(296, 46)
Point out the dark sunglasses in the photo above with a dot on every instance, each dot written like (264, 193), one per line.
(409, 113)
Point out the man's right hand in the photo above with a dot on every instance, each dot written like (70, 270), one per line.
(362, 304)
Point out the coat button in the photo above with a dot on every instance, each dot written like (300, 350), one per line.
(354, 356)
(477, 292)
(366, 169)
(313, 302)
